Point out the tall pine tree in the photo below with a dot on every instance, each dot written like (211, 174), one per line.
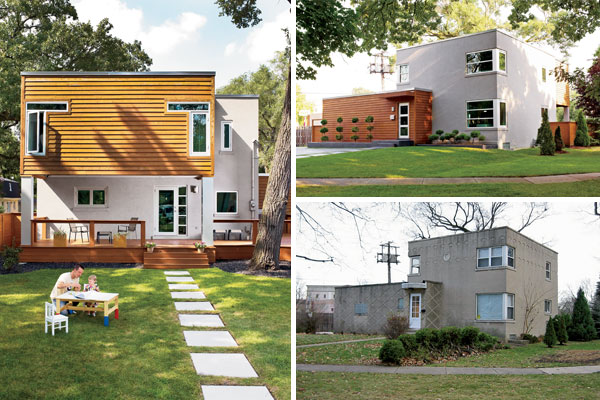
(558, 139)
(545, 138)
(582, 325)
(595, 309)
(550, 335)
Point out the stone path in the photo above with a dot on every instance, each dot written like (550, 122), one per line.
(234, 365)
(339, 342)
(587, 369)
(444, 181)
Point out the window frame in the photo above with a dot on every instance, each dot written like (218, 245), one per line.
(505, 258)
(400, 74)
(506, 305)
(358, 307)
(548, 271)
(223, 123)
(44, 117)
(190, 138)
(544, 75)
(400, 303)
(412, 266)
(91, 189)
(547, 306)
(237, 208)
(496, 114)
(495, 62)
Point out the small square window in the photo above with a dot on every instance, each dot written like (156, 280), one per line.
(83, 197)
(90, 197)
(227, 203)
(360, 309)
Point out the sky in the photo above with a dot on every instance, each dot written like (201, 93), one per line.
(189, 35)
(571, 229)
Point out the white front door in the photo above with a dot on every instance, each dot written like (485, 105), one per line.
(414, 321)
(403, 120)
(170, 211)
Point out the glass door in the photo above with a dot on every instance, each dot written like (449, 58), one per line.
(403, 120)
(166, 210)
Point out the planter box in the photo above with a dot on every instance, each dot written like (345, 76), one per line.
(120, 241)
(60, 241)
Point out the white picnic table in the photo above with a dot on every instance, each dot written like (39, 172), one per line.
(103, 299)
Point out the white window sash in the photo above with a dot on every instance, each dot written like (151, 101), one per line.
(495, 114)
(40, 130)
(495, 61)
(237, 202)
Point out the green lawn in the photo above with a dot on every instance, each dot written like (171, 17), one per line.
(442, 162)
(143, 354)
(572, 189)
(350, 386)
(365, 353)
(302, 338)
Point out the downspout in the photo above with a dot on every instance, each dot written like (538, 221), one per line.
(253, 169)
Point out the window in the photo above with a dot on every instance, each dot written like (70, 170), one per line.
(182, 210)
(403, 73)
(489, 113)
(548, 271)
(226, 136)
(501, 256)
(317, 296)
(35, 132)
(492, 60)
(360, 309)
(543, 74)
(199, 134)
(227, 203)
(495, 307)
(324, 296)
(415, 265)
(90, 197)
(548, 306)
(401, 303)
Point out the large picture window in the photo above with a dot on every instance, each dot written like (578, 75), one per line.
(496, 307)
(199, 126)
(491, 257)
(490, 113)
(227, 203)
(492, 60)
(35, 131)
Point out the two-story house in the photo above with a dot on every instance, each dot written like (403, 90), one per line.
(493, 280)
(490, 82)
(159, 147)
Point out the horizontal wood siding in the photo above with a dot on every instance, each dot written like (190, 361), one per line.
(262, 189)
(117, 125)
(563, 97)
(379, 106)
(568, 129)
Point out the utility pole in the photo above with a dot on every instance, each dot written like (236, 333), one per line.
(597, 208)
(381, 65)
(388, 257)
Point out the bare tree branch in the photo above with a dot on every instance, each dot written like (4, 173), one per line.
(314, 259)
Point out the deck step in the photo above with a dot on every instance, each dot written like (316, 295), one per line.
(175, 258)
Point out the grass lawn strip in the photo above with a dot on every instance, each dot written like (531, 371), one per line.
(435, 162)
(589, 188)
(302, 339)
(349, 386)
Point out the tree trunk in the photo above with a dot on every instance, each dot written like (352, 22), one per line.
(270, 226)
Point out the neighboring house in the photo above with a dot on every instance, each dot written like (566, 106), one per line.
(484, 279)
(320, 298)
(10, 197)
(489, 82)
(159, 146)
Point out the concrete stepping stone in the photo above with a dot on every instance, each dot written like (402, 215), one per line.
(193, 306)
(236, 392)
(180, 279)
(223, 364)
(182, 286)
(188, 295)
(209, 338)
(177, 273)
(204, 320)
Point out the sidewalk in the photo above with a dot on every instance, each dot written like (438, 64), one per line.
(443, 181)
(587, 369)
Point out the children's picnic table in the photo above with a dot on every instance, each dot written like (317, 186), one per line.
(103, 300)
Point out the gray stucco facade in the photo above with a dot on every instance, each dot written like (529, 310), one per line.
(441, 67)
(455, 288)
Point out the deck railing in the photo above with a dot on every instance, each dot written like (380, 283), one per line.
(91, 224)
(254, 223)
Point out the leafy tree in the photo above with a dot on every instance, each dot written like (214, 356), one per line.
(361, 90)
(581, 135)
(595, 309)
(545, 138)
(550, 335)
(302, 103)
(558, 139)
(582, 325)
(269, 83)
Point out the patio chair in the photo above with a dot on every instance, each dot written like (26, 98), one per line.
(233, 233)
(220, 234)
(129, 228)
(56, 320)
(76, 228)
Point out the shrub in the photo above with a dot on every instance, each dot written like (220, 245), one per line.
(455, 132)
(582, 325)
(530, 338)
(434, 137)
(354, 120)
(355, 129)
(481, 138)
(558, 139)
(339, 137)
(369, 136)
(581, 135)
(550, 335)
(485, 341)
(370, 128)
(475, 135)
(323, 122)
(427, 338)
(449, 337)
(340, 119)
(561, 330)
(464, 136)
(410, 344)
(395, 326)
(2, 209)
(10, 256)
(439, 132)
(324, 138)
(392, 351)
(468, 335)
(354, 137)
(369, 118)
(546, 141)
(339, 129)
(452, 134)
(324, 130)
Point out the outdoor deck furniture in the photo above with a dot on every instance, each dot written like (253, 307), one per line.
(76, 228)
(106, 234)
(103, 300)
(219, 234)
(129, 228)
(234, 234)
(57, 321)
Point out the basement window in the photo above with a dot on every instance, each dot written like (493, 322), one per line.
(36, 126)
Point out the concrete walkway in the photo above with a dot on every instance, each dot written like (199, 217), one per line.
(340, 342)
(588, 369)
(304, 152)
(445, 181)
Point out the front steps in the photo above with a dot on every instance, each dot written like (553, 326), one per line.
(175, 258)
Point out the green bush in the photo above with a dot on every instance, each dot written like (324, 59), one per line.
(468, 336)
(550, 335)
(410, 344)
(463, 136)
(427, 338)
(452, 134)
(10, 256)
(439, 132)
(561, 330)
(324, 130)
(558, 139)
(582, 325)
(581, 135)
(324, 138)
(455, 132)
(395, 326)
(545, 138)
(434, 137)
(485, 341)
(323, 122)
(369, 136)
(530, 338)
(369, 118)
(354, 120)
(339, 129)
(340, 119)
(339, 137)
(370, 128)
(481, 138)
(449, 337)
(355, 129)
(354, 137)
(392, 351)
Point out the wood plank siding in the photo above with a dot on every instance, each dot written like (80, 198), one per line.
(563, 97)
(117, 124)
(381, 106)
(263, 179)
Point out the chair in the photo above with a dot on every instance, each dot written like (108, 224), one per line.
(231, 233)
(220, 234)
(56, 320)
(76, 228)
(129, 228)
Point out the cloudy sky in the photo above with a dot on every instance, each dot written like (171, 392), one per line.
(571, 229)
(189, 35)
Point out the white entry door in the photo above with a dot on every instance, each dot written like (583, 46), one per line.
(403, 120)
(414, 321)
(170, 210)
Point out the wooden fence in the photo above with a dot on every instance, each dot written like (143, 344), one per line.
(10, 227)
(303, 135)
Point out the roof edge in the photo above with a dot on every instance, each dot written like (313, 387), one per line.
(132, 73)
(237, 96)
(384, 92)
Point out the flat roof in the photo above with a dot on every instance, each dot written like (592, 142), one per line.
(369, 284)
(131, 73)
(388, 92)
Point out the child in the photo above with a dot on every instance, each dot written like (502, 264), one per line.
(91, 286)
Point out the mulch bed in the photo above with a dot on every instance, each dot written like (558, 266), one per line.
(241, 267)
(579, 357)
